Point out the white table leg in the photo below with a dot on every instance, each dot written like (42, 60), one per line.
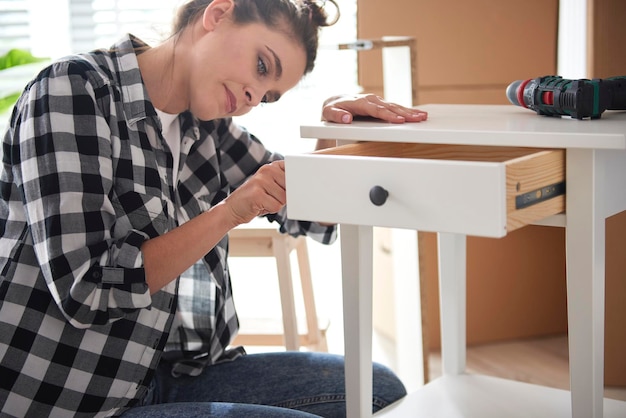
(356, 261)
(585, 235)
(408, 309)
(452, 296)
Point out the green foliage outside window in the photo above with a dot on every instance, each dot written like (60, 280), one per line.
(14, 58)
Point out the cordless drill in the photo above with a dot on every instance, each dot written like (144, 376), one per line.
(555, 96)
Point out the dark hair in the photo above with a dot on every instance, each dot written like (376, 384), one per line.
(301, 18)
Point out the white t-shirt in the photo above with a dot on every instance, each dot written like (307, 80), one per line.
(171, 133)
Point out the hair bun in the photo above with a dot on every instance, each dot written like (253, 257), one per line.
(318, 12)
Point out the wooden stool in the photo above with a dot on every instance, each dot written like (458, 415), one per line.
(256, 240)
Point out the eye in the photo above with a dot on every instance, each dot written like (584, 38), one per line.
(261, 67)
(270, 97)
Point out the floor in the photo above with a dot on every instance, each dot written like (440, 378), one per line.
(541, 361)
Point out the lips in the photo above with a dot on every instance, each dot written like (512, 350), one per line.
(231, 101)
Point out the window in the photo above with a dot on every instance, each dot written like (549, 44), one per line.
(14, 31)
(99, 23)
(59, 27)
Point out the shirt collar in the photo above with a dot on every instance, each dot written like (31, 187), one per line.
(137, 104)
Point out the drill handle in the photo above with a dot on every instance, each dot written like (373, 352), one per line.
(618, 92)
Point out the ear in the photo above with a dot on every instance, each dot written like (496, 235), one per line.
(215, 12)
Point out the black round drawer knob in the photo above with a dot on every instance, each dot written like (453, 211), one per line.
(378, 195)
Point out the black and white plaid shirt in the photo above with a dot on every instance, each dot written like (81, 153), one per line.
(86, 179)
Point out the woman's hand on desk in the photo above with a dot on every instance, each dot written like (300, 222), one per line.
(342, 109)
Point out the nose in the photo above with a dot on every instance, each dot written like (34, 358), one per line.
(253, 98)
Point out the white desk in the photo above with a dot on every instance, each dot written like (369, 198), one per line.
(595, 175)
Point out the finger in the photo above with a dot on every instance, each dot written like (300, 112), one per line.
(277, 171)
(279, 163)
(395, 113)
(386, 112)
(264, 196)
(417, 115)
(336, 115)
(410, 114)
(275, 198)
(271, 182)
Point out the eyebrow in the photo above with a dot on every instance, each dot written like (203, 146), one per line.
(277, 63)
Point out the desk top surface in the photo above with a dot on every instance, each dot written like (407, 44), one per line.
(502, 125)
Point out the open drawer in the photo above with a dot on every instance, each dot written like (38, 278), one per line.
(473, 190)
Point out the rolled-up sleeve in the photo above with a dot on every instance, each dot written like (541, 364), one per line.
(64, 173)
(325, 234)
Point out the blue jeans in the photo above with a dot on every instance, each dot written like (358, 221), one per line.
(267, 385)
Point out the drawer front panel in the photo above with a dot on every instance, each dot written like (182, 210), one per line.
(428, 195)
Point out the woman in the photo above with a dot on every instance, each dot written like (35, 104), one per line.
(122, 175)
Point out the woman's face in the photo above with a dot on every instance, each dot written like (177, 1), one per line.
(236, 67)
